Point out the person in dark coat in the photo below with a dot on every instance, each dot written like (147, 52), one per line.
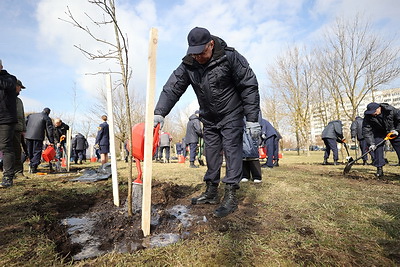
(269, 137)
(179, 148)
(103, 141)
(331, 135)
(276, 148)
(80, 145)
(380, 120)
(193, 132)
(60, 133)
(8, 120)
(251, 159)
(38, 125)
(226, 90)
(357, 133)
(164, 145)
(19, 140)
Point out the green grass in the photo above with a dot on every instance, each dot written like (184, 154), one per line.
(302, 214)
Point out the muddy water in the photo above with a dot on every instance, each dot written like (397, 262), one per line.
(81, 231)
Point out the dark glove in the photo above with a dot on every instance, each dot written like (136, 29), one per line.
(158, 119)
(254, 129)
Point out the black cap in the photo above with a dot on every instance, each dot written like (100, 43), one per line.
(197, 40)
(46, 110)
(371, 108)
(19, 83)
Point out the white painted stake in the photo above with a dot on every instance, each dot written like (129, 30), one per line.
(148, 132)
(110, 119)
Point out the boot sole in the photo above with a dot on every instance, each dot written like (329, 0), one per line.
(195, 202)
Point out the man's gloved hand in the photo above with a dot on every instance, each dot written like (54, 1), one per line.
(394, 132)
(254, 129)
(372, 147)
(158, 119)
(264, 136)
(353, 139)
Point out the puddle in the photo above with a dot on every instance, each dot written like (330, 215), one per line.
(98, 234)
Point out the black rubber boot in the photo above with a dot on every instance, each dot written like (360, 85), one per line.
(379, 172)
(364, 162)
(33, 169)
(210, 196)
(192, 165)
(276, 164)
(6, 182)
(229, 203)
(325, 162)
(335, 162)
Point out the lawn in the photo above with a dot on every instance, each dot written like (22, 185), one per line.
(303, 213)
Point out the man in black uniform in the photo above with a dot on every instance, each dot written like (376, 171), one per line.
(331, 135)
(193, 132)
(227, 90)
(60, 133)
(356, 132)
(37, 125)
(8, 120)
(379, 120)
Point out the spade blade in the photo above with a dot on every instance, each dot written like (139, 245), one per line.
(348, 167)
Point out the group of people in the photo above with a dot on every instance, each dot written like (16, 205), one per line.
(380, 120)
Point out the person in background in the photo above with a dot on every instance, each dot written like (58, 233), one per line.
(8, 120)
(227, 90)
(269, 138)
(164, 144)
(38, 125)
(357, 133)
(80, 145)
(20, 130)
(331, 135)
(276, 149)
(251, 159)
(193, 132)
(60, 133)
(179, 148)
(380, 120)
(103, 141)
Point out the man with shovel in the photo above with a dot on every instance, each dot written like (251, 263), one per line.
(227, 90)
(379, 120)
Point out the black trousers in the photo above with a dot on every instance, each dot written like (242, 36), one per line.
(167, 152)
(331, 144)
(35, 148)
(379, 155)
(228, 141)
(6, 146)
(18, 164)
(252, 169)
(193, 148)
(396, 146)
(270, 145)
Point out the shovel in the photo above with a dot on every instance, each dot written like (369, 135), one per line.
(348, 158)
(350, 163)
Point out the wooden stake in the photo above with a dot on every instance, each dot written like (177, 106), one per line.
(148, 132)
(68, 148)
(110, 119)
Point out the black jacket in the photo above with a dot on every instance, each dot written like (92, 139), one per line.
(60, 131)
(356, 128)
(37, 125)
(334, 130)
(8, 98)
(80, 142)
(382, 124)
(193, 130)
(226, 87)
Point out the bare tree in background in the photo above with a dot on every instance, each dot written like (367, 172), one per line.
(113, 50)
(293, 76)
(354, 62)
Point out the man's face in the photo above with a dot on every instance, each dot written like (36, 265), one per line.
(206, 55)
(57, 123)
(377, 112)
(18, 89)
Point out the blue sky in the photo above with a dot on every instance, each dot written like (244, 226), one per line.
(37, 47)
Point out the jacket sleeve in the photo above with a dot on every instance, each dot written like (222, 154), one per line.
(197, 128)
(353, 129)
(247, 85)
(339, 130)
(173, 89)
(50, 130)
(99, 135)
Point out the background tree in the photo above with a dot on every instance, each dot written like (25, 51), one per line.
(117, 50)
